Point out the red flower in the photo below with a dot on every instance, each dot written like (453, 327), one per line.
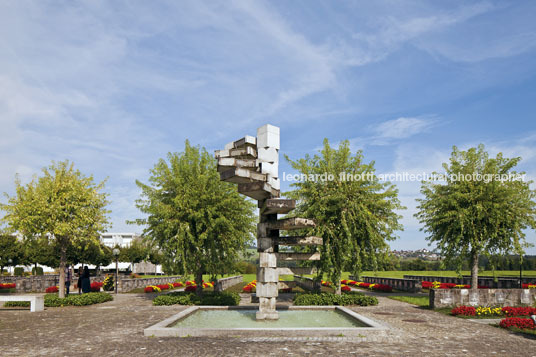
(346, 288)
(178, 285)
(517, 322)
(190, 288)
(52, 289)
(383, 287)
(96, 286)
(464, 311)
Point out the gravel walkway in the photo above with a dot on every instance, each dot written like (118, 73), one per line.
(116, 329)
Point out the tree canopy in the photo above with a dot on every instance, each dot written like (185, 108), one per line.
(11, 251)
(354, 212)
(62, 204)
(479, 209)
(198, 222)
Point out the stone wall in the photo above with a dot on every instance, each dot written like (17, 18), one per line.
(126, 285)
(39, 283)
(224, 283)
(481, 297)
(410, 285)
(501, 283)
(307, 283)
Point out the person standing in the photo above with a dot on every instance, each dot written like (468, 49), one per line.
(86, 283)
(80, 273)
(68, 278)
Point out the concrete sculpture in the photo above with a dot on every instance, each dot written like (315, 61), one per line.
(253, 164)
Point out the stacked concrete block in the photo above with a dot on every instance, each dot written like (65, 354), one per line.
(253, 164)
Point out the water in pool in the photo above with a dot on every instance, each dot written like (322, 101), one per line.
(287, 318)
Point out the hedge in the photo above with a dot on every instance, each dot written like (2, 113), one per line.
(208, 298)
(52, 300)
(326, 299)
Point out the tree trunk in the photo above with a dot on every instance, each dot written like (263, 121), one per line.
(199, 282)
(474, 270)
(338, 287)
(1, 269)
(63, 262)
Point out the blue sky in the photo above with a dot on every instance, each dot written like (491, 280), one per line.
(115, 85)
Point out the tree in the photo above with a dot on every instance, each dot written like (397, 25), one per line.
(136, 252)
(40, 251)
(198, 222)
(11, 252)
(479, 209)
(354, 212)
(64, 205)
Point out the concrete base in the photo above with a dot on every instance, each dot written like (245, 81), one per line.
(261, 315)
(372, 329)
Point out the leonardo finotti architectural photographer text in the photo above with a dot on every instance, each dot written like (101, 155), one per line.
(401, 177)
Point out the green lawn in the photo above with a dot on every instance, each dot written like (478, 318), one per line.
(400, 274)
(415, 300)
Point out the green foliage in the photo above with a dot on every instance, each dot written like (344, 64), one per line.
(18, 271)
(355, 218)
(326, 299)
(53, 300)
(467, 218)
(37, 271)
(136, 252)
(208, 298)
(63, 205)
(40, 250)
(198, 222)
(244, 267)
(11, 252)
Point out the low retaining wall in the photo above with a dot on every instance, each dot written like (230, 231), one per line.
(39, 283)
(307, 283)
(224, 283)
(481, 297)
(501, 283)
(126, 285)
(33, 283)
(409, 285)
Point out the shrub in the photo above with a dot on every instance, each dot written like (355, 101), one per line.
(323, 299)
(52, 300)
(19, 271)
(208, 298)
(37, 271)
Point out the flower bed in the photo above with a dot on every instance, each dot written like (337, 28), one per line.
(481, 311)
(377, 287)
(190, 286)
(516, 322)
(529, 286)
(8, 286)
(439, 285)
(52, 289)
(96, 286)
(250, 288)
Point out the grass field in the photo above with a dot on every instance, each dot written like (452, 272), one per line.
(400, 274)
(415, 300)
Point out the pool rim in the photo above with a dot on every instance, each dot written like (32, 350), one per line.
(164, 329)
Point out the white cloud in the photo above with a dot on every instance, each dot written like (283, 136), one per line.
(403, 127)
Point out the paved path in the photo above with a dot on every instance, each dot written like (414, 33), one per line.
(116, 329)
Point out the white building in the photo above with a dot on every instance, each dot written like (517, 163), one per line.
(121, 239)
